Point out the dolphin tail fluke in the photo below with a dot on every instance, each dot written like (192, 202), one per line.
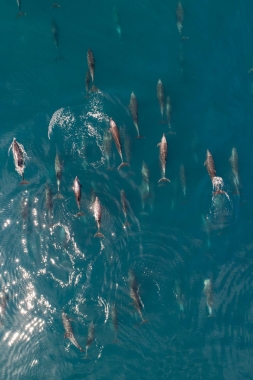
(23, 182)
(58, 196)
(126, 224)
(144, 321)
(162, 121)
(79, 214)
(116, 341)
(20, 14)
(98, 234)
(139, 137)
(94, 89)
(123, 164)
(59, 58)
(163, 180)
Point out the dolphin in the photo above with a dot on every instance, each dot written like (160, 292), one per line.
(58, 172)
(234, 165)
(179, 16)
(97, 212)
(69, 332)
(55, 33)
(209, 295)
(133, 107)
(116, 137)
(160, 96)
(91, 66)
(124, 207)
(20, 13)
(163, 157)
(90, 337)
(182, 179)
(19, 159)
(87, 81)
(55, 5)
(134, 294)
(209, 163)
(114, 315)
(48, 200)
(3, 304)
(78, 194)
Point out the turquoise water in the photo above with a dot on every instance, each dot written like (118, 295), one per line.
(51, 262)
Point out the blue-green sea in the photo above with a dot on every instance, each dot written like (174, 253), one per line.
(173, 238)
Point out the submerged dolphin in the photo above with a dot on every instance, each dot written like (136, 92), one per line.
(134, 294)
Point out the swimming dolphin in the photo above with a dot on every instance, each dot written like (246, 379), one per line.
(124, 207)
(55, 33)
(209, 295)
(3, 304)
(69, 332)
(163, 157)
(20, 13)
(97, 212)
(116, 137)
(180, 17)
(114, 315)
(209, 163)
(78, 193)
(90, 337)
(58, 172)
(48, 200)
(160, 96)
(19, 159)
(133, 106)
(91, 66)
(134, 294)
(234, 165)
(182, 179)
